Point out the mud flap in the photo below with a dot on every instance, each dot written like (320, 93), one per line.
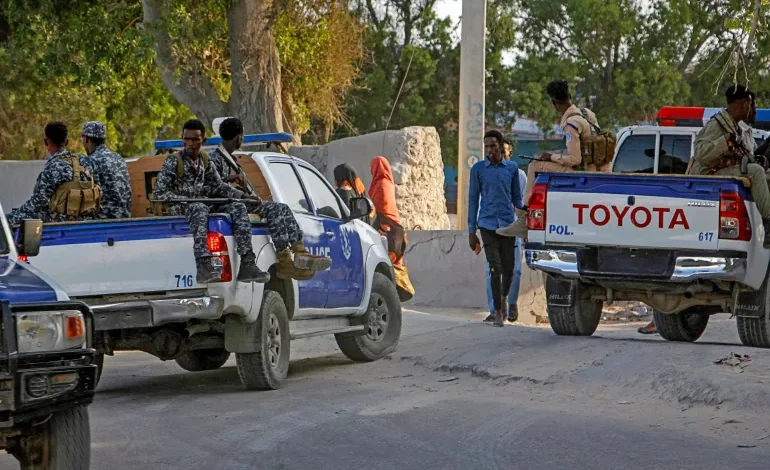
(560, 293)
(749, 303)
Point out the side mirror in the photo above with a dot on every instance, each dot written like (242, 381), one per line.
(30, 233)
(360, 207)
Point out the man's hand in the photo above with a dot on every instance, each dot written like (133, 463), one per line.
(545, 157)
(256, 199)
(473, 241)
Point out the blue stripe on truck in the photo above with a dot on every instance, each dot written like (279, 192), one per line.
(643, 185)
(78, 233)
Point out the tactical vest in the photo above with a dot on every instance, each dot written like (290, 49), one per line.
(597, 148)
(180, 163)
(76, 198)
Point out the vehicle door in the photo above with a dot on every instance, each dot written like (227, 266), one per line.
(312, 292)
(346, 275)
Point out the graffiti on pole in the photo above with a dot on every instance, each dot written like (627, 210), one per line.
(474, 128)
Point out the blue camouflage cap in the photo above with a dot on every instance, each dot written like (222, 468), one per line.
(95, 129)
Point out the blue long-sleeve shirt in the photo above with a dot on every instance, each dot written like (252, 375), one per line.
(493, 193)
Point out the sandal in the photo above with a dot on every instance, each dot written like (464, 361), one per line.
(648, 330)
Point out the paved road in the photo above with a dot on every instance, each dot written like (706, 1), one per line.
(522, 398)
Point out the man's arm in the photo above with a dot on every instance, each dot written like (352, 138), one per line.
(516, 189)
(216, 187)
(164, 185)
(710, 144)
(48, 180)
(572, 156)
(474, 191)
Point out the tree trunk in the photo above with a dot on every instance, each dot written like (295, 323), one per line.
(255, 66)
(754, 22)
(189, 86)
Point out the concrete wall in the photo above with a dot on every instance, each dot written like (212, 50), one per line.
(446, 273)
(414, 154)
(17, 179)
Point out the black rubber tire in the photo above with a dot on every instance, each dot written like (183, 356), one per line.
(203, 359)
(581, 319)
(383, 323)
(267, 368)
(686, 326)
(67, 436)
(755, 331)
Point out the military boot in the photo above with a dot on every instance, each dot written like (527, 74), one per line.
(766, 225)
(287, 270)
(304, 260)
(206, 272)
(249, 271)
(516, 229)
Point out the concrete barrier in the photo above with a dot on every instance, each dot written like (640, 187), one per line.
(17, 179)
(446, 273)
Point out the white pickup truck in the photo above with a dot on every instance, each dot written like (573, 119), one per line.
(688, 246)
(138, 276)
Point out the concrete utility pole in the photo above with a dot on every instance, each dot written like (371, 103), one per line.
(472, 52)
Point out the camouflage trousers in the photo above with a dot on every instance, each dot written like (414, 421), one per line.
(198, 217)
(284, 229)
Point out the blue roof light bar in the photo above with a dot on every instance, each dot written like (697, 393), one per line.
(277, 137)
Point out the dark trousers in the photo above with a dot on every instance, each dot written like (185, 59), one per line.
(501, 256)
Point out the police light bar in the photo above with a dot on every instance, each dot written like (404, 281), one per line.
(686, 116)
(275, 137)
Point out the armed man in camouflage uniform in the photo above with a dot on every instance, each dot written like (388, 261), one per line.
(58, 170)
(110, 172)
(284, 229)
(725, 141)
(199, 180)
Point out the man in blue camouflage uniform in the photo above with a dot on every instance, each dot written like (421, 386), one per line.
(57, 171)
(110, 172)
(199, 181)
(284, 229)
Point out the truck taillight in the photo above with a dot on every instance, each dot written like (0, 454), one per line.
(734, 223)
(220, 256)
(536, 203)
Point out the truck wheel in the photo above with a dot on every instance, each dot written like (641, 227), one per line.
(685, 326)
(203, 359)
(754, 330)
(383, 324)
(579, 319)
(267, 368)
(64, 443)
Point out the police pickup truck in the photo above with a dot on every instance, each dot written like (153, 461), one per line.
(688, 246)
(47, 378)
(138, 276)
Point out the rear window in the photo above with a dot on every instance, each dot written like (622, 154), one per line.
(674, 154)
(636, 155)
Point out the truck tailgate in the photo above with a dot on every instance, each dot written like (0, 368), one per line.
(633, 211)
(123, 256)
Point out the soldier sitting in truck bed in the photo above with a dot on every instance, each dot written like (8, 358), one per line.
(200, 179)
(284, 229)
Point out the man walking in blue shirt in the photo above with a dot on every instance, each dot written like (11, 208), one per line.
(493, 193)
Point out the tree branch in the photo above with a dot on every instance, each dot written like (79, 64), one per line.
(191, 87)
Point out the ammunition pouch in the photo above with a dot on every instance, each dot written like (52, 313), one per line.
(76, 198)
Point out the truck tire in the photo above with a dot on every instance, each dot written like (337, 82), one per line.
(579, 319)
(686, 326)
(383, 325)
(64, 444)
(203, 359)
(267, 368)
(754, 331)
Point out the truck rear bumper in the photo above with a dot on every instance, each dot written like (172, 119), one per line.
(155, 312)
(685, 267)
